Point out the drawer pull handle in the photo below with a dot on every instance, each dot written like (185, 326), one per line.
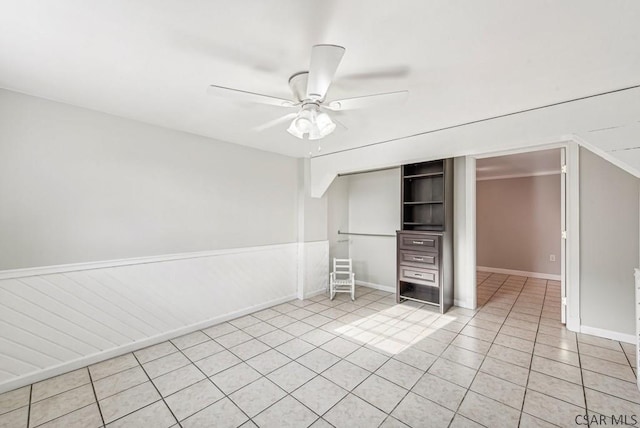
(418, 259)
(419, 275)
(418, 242)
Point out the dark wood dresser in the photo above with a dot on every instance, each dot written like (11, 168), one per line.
(424, 245)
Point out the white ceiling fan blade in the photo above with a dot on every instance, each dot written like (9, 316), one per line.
(396, 72)
(252, 97)
(325, 60)
(334, 119)
(367, 101)
(275, 122)
(340, 124)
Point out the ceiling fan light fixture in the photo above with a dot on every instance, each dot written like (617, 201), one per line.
(293, 130)
(324, 124)
(312, 122)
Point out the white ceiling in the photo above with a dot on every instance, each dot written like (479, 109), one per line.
(461, 61)
(541, 162)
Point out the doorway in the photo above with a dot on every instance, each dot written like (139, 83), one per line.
(520, 219)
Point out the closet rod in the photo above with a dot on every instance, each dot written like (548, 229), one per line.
(366, 234)
(368, 170)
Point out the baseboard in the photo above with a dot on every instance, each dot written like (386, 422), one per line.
(463, 304)
(376, 286)
(130, 347)
(315, 293)
(608, 334)
(539, 275)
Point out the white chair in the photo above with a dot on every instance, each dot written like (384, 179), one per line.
(342, 279)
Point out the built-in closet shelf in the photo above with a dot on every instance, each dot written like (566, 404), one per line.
(436, 227)
(384, 235)
(423, 295)
(422, 202)
(424, 245)
(430, 174)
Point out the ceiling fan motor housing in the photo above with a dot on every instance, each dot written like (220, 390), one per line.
(298, 85)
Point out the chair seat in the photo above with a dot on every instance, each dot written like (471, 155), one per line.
(346, 282)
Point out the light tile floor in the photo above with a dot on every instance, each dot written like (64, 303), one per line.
(368, 363)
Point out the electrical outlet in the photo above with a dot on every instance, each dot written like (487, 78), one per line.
(552, 257)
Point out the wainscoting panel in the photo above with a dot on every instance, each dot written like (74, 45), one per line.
(60, 320)
(316, 271)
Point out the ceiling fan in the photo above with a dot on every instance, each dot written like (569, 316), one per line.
(309, 91)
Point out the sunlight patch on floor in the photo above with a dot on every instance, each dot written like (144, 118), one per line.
(395, 329)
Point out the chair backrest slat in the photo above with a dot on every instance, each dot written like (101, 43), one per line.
(342, 265)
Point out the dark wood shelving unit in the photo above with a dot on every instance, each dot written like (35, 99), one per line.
(424, 245)
(422, 202)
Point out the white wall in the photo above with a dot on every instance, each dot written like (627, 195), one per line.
(78, 185)
(609, 245)
(338, 217)
(374, 208)
(518, 223)
(82, 186)
(464, 232)
(312, 211)
(313, 247)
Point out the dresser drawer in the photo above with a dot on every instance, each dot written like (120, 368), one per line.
(420, 242)
(420, 276)
(427, 260)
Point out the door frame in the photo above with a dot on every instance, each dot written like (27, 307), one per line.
(571, 260)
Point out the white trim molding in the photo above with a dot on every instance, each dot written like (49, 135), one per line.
(380, 287)
(572, 247)
(507, 176)
(466, 304)
(540, 275)
(606, 156)
(74, 267)
(608, 334)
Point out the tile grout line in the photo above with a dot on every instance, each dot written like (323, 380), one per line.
(582, 385)
(192, 362)
(245, 361)
(225, 395)
(93, 388)
(584, 390)
(157, 390)
(131, 387)
(290, 394)
(388, 414)
(55, 395)
(340, 359)
(562, 379)
(440, 356)
(526, 387)
(456, 412)
(343, 359)
(29, 410)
